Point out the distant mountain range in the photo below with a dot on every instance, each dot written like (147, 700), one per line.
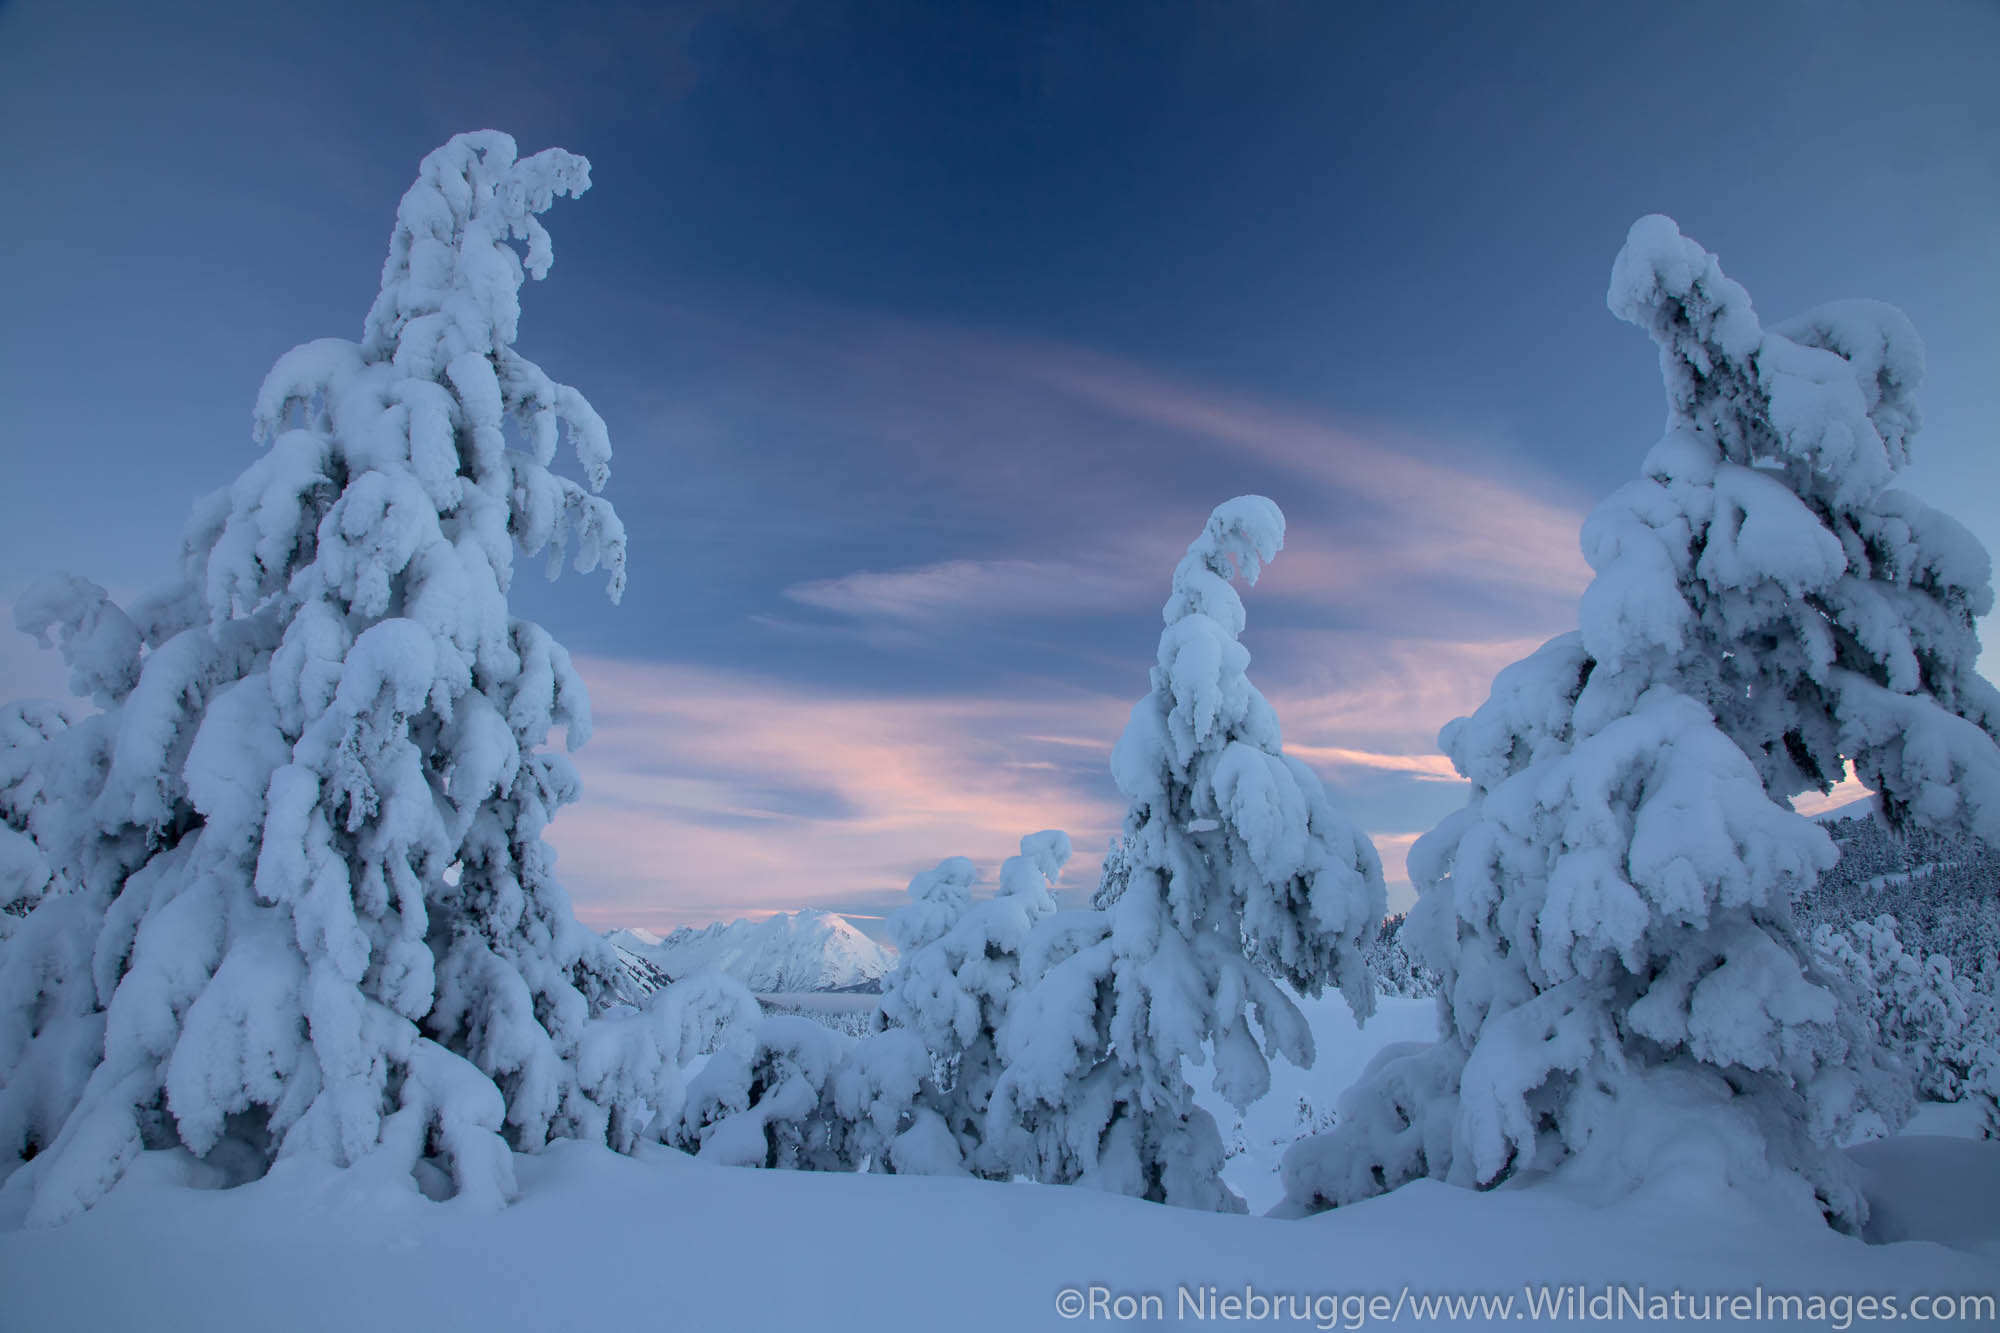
(789, 952)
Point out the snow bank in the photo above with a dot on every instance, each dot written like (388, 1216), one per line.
(664, 1241)
(1932, 1187)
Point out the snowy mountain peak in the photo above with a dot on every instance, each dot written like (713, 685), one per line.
(790, 951)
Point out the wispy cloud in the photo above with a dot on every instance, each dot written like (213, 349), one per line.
(711, 795)
(1436, 517)
(1352, 690)
(1427, 767)
(983, 459)
(985, 587)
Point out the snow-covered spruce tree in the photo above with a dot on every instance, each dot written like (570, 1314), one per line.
(1390, 964)
(1113, 875)
(1944, 1025)
(785, 1121)
(1611, 914)
(1916, 1005)
(25, 872)
(884, 1098)
(762, 1098)
(1940, 887)
(887, 1097)
(786, 1091)
(938, 898)
(1239, 876)
(952, 988)
(304, 904)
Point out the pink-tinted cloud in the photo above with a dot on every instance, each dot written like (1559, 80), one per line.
(1351, 690)
(710, 795)
(989, 587)
(1061, 435)
(1438, 518)
(1845, 792)
(1426, 767)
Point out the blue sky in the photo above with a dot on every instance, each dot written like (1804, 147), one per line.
(929, 333)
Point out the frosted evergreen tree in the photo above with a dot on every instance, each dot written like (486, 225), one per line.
(1916, 1005)
(886, 1097)
(1112, 877)
(959, 970)
(1390, 964)
(938, 898)
(1940, 887)
(305, 907)
(1612, 913)
(25, 873)
(1239, 875)
(784, 1091)
(764, 1098)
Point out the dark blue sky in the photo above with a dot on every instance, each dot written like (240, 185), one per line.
(928, 333)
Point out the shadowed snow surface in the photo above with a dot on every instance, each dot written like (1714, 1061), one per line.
(662, 1240)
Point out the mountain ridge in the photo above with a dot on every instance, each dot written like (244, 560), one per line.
(807, 950)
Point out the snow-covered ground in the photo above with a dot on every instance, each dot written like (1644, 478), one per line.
(599, 1241)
